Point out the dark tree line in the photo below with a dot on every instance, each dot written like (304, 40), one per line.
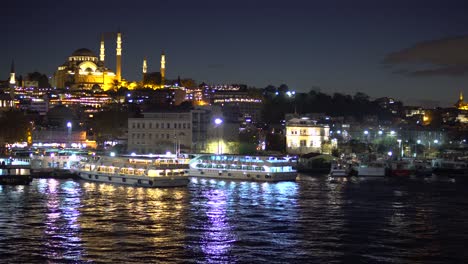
(279, 101)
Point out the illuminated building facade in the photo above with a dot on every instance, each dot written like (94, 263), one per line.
(6, 103)
(304, 136)
(160, 132)
(189, 131)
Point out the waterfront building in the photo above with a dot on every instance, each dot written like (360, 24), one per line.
(304, 135)
(180, 131)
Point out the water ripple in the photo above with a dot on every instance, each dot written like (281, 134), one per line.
(211, 221)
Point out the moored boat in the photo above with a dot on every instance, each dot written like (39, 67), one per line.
(237, 167)
(144, 172)
(372, 169)
(401, 168)
(443, 167)
(341, 169)
(15, 176)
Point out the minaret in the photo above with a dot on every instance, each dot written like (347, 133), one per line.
(163, 68)
(12, 74)
(12, 80)
(119, 57)
(102, 54)
(145, 68)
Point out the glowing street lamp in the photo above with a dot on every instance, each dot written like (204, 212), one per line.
(399, 147)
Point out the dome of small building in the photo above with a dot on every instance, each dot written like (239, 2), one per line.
(83, 52)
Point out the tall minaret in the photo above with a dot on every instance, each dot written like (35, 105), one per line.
(145, 68)
(12, 74)
(163, 68)
(119, 57)
(12, 80)
(102, 54)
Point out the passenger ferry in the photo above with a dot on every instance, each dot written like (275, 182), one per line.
(236, 167)
(135, 171)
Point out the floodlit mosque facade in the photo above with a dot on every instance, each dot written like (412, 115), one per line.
(84, 70)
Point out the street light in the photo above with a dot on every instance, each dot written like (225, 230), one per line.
(218, 122)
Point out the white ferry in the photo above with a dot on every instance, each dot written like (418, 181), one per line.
(236, 167)
(152, 172)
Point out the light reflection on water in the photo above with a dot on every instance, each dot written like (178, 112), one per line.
(220, 221)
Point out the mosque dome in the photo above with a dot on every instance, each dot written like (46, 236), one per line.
(83, 52)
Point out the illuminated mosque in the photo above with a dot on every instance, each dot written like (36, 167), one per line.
(461, 105)
(84, 70)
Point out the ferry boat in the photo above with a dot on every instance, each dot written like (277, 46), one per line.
(144, 172)
(237, 167)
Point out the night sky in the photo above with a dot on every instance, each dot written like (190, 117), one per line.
(415, 51)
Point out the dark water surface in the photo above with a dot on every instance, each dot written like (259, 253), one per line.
(312, 220)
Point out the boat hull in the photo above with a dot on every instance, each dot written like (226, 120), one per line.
(371, 172)
(139, 181)
(339, 173)
(15, 176)
(245, 176)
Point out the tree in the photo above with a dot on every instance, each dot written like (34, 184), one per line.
(14, 126)
(109, 125)
(42, 80)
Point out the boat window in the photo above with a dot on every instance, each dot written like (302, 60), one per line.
(124, 180)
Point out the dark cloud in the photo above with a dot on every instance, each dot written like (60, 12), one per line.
(442, 57)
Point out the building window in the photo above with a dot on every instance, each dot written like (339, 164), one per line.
(133, 125)
(150, 125)
(157, 125)
(303, 143)
(168, 125)
(183, 126)
(143, 125)
(167, 136)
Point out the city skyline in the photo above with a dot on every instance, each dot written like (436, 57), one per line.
(410, 51)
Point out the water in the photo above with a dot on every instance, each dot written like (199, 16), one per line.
(312, 220)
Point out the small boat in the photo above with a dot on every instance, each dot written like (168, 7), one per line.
(237, 167)
(341, 169)
(401, 168)
(372, 169)
(153, 172)
(15, 176)
(443, 167)
(422, 168)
